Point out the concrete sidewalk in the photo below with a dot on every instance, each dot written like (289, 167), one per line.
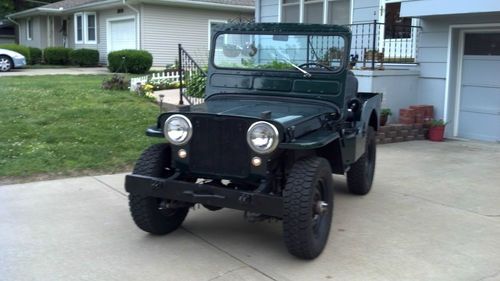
(55, 71)
(434, 214)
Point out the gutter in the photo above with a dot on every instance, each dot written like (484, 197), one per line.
(199, 4)
(16, 32)
(137, 24)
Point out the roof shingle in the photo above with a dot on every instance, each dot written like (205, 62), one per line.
(67, 4)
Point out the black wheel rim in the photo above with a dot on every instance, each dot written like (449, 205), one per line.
(318, 216)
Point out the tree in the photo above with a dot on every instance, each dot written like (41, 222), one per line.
(13, 6)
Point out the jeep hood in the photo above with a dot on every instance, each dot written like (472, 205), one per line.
(287, 111)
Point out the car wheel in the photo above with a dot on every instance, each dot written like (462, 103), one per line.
(360, 175)
(308, 207)
(5, 64)
(152, 214)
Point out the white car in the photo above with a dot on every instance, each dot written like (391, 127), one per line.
(10, 59)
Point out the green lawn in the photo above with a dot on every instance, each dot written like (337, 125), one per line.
(64, 124)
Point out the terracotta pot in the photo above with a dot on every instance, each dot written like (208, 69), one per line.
(436, 133)
(383, 119)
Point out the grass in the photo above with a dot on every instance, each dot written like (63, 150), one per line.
(60, 124)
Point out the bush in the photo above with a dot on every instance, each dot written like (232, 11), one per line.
(25, 51)
(84, 57)
(195, 85)
(35, 56)
(56, 55)
(116, 82)
(130, 61)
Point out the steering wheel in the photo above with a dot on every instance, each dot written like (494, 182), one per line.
(316, 65)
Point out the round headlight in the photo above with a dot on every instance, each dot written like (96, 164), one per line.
(178, 129)
(263, 137)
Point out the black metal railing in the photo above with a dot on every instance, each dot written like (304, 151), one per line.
(374, 44)
(191, 79)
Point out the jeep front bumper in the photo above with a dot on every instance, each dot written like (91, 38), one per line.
(206, 194)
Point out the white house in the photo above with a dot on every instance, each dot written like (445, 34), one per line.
(452, 62)
(109, 25)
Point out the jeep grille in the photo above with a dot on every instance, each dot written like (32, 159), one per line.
(218, 146)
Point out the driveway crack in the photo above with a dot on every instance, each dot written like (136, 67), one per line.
(489, 276)
(227, 272)
(229, 254)
(445, 205)
(109, 186)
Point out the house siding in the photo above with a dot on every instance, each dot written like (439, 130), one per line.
(268, 11)
(365, 11)
(161, 32)
(39, 37)
(433, 58)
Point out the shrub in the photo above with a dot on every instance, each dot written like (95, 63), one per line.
(25, 51)
(116, 82)
(130, 61)
(84, 57)
(195, 85)
(35, 55)
(56, 55)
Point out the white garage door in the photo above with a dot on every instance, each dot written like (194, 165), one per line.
(121, 35)
(479, 115)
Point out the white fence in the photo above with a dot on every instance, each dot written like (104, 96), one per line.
(158, 77)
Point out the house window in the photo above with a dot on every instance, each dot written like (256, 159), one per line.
(91, 28)
(396, 27)
(85, 28)
(79, 28)
(313, 11)
(29, 29)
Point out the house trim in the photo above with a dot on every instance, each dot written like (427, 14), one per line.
(29, 21)
(210, 21)
(86, 26)
(108, 26)
(75, 16)
(457, 79)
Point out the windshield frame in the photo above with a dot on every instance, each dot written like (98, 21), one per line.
(342, 67)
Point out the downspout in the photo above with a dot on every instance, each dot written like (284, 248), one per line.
(137, 24)
(18, 28)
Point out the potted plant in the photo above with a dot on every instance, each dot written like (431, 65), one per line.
(436, 130)
(384, 115)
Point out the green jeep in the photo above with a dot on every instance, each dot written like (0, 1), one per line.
(281, 114)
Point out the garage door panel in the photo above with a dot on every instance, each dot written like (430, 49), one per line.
(485, 129)
(122, 35)
(479, 112)
(481, 71)
(480, 99)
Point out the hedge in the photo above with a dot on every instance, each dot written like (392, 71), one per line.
(130, 61)
(35, 55)
(56, 55)
(84, 57)
(25, 51)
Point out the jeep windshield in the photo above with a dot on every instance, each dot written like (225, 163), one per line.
(293, 52)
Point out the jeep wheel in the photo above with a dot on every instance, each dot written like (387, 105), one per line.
(308, 207)
(153, 214)
(360, 176)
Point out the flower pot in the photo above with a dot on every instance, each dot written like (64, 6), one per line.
(436, 133)
(383, 120)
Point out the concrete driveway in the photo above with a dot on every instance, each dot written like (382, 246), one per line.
(434, 214)
(55, 71)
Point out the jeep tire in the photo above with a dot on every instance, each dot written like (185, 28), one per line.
(149, 213)
(360, 176)
(308, 207)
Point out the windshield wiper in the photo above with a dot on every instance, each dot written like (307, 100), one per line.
(285, 59)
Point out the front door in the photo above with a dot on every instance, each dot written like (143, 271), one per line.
(479, 111)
